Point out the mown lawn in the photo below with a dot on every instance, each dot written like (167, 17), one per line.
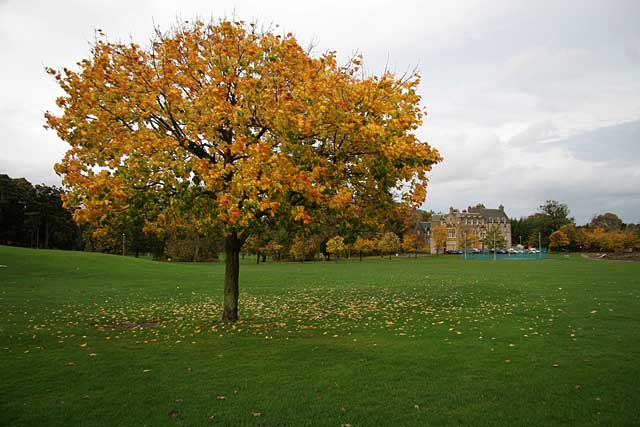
(91, 339)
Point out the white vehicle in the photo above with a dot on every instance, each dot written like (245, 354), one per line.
(533, 251)
(513, 251)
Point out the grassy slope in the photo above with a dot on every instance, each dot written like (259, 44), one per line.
(402, 342)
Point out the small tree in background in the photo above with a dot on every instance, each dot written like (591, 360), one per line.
(572, 233)
(494, 238)
(558, 239)
(363, 246)
(467, 238)
(410, 243)
(439, 236)
(389, 243)
(304, 246)
(336, 246)
(297, 249)
(274, 249)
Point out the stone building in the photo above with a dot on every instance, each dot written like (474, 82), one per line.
(472, 223)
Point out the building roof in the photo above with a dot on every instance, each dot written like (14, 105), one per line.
(493, 213)
(489, 213)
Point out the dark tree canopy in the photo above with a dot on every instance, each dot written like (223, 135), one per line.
(34, 216)
(609, 221)
(550, 217)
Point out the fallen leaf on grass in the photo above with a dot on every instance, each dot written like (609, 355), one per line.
(173, 414)
(257, 414)
(72, 363)
(221, 397)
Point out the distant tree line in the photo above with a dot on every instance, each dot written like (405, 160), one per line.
(33, 216)
(557, 230)
(337, 240)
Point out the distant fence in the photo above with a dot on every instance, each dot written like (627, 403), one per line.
(487, 255)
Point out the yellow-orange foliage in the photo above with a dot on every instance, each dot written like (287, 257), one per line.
(600, 239)
(409, 242)
(229, 126)
(363, 246)
(558, 239)
(336, 245)
(439, 236)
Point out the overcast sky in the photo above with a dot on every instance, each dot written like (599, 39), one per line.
(527, 101)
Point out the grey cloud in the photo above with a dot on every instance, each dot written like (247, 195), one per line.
(632, 50)
(535, 133)
(619, 144)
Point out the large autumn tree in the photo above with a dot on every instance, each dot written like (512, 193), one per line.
(228, 128)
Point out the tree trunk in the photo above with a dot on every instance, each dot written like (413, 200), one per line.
(258, 258)
(46, 234)
(197, 250)
(232, 247)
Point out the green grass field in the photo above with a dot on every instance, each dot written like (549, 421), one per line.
(91, 339)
